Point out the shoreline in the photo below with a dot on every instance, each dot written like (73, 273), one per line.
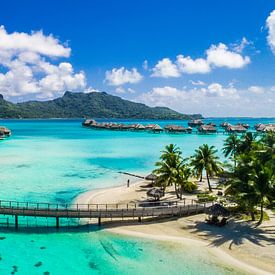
(169, 230)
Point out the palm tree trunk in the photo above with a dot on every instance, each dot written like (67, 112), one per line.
(181, 191)
(201, 177)
(177, 192)
(262, 212)
(208, 181)
(252, 214)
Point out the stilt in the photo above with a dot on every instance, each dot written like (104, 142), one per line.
(99, 221)
(57, 222)
(16, 221)
(139, 219)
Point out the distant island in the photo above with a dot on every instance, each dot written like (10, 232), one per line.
(79, 105)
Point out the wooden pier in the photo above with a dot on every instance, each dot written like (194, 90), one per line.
(134, 211)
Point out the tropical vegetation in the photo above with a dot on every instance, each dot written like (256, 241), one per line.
(250, 175)
(79, 105)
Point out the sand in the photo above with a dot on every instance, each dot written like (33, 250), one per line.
(239, 244)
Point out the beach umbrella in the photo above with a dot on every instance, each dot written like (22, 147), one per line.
(217, 210)
(151, 177)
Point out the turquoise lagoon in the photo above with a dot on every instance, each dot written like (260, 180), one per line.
(56, 160)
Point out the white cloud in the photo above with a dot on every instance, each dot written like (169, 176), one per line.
(216, 56)
(121, 90)
(192, 66)
(197, 83)
(240, 47)
(165, 68)
(90, 90)
(145, 65)
(256, 89)
(270, 23)
(213, 100)
(221, 56)
(117, 77)
(36, 42)
(29, 69)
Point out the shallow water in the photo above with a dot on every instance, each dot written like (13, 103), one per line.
(54, 161)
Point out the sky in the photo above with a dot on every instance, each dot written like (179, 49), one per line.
(213, 57)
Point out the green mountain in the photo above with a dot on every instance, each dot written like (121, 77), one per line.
(79, 105)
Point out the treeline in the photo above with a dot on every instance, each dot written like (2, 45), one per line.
(79, 105)
(249, 175)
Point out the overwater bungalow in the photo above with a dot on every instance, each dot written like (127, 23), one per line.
(114, 126)
(154, 128)
(211, 124)
(175, 129)
(269, 128)
(157, 129)
(236, 129)
(265, 127)
(4, 132)
(195, 123)
(207, 129)
(139, 127)
(225, 124)
(245, 125)
(88, 122)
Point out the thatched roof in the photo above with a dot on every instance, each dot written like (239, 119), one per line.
(195, 122)
(225, 124)
(207, 128)
(151, 177)
(139, 127)
(175, 128)
(217, 210)
(89, 122)
(236, 128)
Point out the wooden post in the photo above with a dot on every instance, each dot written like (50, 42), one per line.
(16, 221)
(57, 222)
(139, 219)
(99, 221)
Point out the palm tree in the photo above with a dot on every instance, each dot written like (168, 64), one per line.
(231, 146)
(253, 182)
(247, 142)
(184, 182)
(168, 167)
(197, 164)
(205, 157)
(263, 181)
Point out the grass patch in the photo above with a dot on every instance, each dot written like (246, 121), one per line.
(247, 217)
(205, 197)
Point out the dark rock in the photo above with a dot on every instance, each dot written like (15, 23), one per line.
(38, 264)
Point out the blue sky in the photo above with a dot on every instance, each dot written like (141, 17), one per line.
(212, 57)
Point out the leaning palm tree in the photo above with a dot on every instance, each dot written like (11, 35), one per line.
(231, 146)
(206, 158)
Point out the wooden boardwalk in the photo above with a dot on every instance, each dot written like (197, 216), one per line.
(107, 211)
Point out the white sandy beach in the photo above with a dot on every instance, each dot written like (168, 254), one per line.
(238, 244)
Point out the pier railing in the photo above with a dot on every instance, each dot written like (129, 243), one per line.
(126, 210)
